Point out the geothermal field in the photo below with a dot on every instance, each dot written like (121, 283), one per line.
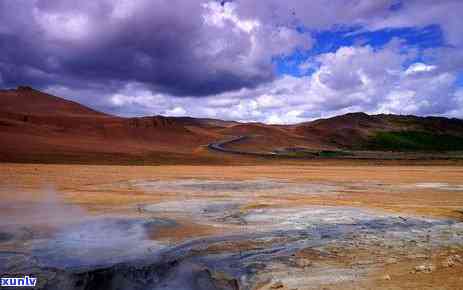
(311, 226)
(231, 144)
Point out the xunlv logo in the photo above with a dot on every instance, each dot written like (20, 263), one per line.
(25, 281)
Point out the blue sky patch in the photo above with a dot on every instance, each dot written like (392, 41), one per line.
(331, 40)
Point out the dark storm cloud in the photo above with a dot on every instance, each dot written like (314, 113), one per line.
(164, 44)
(137, 57)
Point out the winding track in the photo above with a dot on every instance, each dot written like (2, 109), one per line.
(219, 146)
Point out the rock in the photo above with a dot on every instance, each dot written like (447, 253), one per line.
(452, 261)
(386, 277)
(224, 280)
(448, 263)
(303, 263)
(417, 256)
(458, 258)
(391, 261)
(277, 285)
(425, 268)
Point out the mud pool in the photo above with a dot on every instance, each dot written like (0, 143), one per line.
(297, 247)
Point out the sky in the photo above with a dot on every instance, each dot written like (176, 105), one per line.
(271, 61)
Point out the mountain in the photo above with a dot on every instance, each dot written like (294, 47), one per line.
(268, 138)
(27, 101)
(346, 131)
(35, 126)
(360, 131)
(39, 127)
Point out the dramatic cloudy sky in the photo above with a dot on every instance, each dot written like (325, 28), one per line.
(272, 61)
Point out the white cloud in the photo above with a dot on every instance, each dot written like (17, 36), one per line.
(177, 111)
(123, 9)
(419, 67)
(458, 109)
(350, 79)
(240, 38)
(217, 14)
(269, 101)
(244, 44)
(63, 26)
(421, 13)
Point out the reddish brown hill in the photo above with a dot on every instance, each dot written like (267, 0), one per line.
(28, 101)
(38, 127)
(344, 130)
(267, 138)
(35, 126)
(439, 125)
(357, 130)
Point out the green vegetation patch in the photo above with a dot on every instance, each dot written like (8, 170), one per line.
(313, 153)
(415, 141)
(300, 154)
(329, 153)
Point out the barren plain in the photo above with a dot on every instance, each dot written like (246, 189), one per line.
(295, 226)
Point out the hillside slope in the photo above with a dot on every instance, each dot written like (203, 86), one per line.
(38, 127)
(35, 126)
(359, 131)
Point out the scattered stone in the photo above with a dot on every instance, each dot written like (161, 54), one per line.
(386, 277)
(458, 258)
(448, 263)
(391, 261)
(277, 285)
(222, 279)
(425, 268)
(452, 261)
(418, 256)
(303, 263)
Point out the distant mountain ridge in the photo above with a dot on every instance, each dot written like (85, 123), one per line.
(39, 127)
(359, 130)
